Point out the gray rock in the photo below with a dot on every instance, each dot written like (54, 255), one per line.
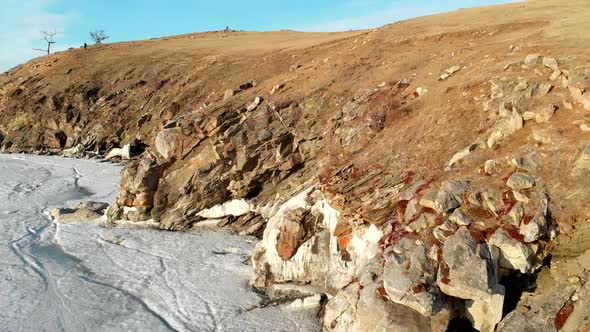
(545, 114)
(514, 255)
(429, 200)
(519, 181)
(492, 201)
(555, 75)
(531, 60)
(167, 142)
(534, 229)
(230, 93)
(460, 218)
(550, 63)
(544, 88)
(505, 128)
(401, 282)
(84, 211)
(420, 224)
(449, 195)
(520, 197)
(472, 275)
(449, 72)
(253, 105)
(516, 213)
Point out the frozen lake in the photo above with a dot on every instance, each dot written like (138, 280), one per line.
(82, 277)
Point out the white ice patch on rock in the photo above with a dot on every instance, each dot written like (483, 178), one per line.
(123, 153)
(318, 260)
(236, 208)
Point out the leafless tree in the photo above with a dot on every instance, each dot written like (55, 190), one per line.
(98, 36)
(47, 37)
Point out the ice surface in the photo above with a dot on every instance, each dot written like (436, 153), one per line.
(82, 277)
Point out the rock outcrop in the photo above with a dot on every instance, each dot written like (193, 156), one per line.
(440, 185)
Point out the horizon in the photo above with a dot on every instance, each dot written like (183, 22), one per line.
(21, 23)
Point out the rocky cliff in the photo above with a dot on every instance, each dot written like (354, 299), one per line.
(429, 175)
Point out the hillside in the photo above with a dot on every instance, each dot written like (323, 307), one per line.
(427, 175)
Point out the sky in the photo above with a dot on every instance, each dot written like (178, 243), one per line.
(22, 20)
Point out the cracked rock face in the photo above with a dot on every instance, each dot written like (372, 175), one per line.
(470, 272)
(408, 281)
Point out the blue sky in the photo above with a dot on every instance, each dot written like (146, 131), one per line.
(21, 20)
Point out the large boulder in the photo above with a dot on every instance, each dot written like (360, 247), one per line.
(514, 254)
(167, 142)
(469, 271)
(410, 281)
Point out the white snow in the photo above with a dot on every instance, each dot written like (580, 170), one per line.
(124, 152)
(235, 207)
(82, 277)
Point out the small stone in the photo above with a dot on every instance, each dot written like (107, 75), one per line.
(276, 88)
(521, 86)
(585, 127)
(519, 181)
(449, 195)
(516, 214)
(520, 197)
(534, 229)
(555, 75)
(513, 254)
(462, 154)
(230, 93)
(545, 114)
(573, 280)
(544, 88)
(564, 82)
(253, 105)
(568, 105)
(428, 200)
(460, 218)
(575, 297)
(504, 128)
(449, 72)
(526, 116)
(550, 63)
(420, 91)
(531, 60)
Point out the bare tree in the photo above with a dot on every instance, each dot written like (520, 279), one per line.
(47, 37)
(98, 36)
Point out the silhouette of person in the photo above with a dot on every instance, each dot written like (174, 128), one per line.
(85, 45)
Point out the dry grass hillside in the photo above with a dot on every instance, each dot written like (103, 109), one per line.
(377, 123)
